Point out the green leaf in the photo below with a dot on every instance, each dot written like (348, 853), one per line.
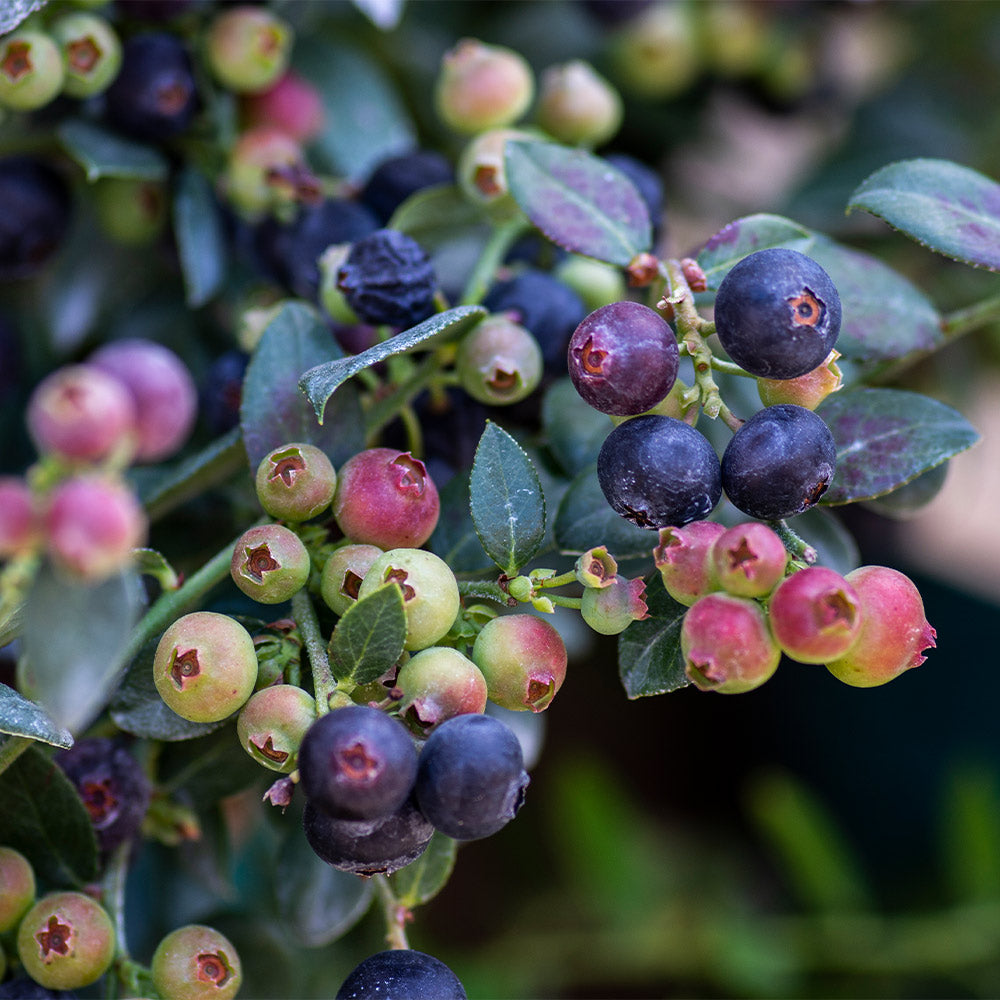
(912, 497)
(74, 667)
(886, 437)
(365, 119)
(44, 819)
(436, 214)
(970, 831)
(321, 381)
(201, 243)
(103, 153)
(421, 880)
(273, 410)
(575, 431)
(944, 206)
(208, 769)
(149, 562)
(835, 545)
(316, 902)
(454, 538)
(506, 500)
(649, 651)
(369, 638)
(748, 235)
(20, 717)
(579, 201)
(584, 519)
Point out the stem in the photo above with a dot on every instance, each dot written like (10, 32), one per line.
(12, 748)
(566, 602)
(796, 546)
(395, 914)
(557, 581)
(490, 259)
(386, 408)
(323, 682)
(963, 321)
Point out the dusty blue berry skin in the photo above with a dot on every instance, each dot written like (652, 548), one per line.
(656, 472)
(357, 763)
(777, 313)
(779, 463)
(402, 974)
(395, 178)
(36, 214)
(388, 278)
(154, 96)
(471, 777)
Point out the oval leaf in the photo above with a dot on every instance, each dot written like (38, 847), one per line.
(321, 381)
(103, 153)
(748, 235)
(505, 500)
(454, 538)
(578, 200)
(434, 215)
(20, 717)
(421, 880)
(575, 431)
(273, 410)
(369, 638)
(944, 206)
(201, 243)
(649, 652)
(886, 437)
(74, 667)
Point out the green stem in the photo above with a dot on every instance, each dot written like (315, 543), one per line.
(485, 589)
(961, 321)
(324, 684)
(557, 581)
(796, 546)
(490, 259)
(12, 748)
(385, 409)
(395, 914)
(566, 602)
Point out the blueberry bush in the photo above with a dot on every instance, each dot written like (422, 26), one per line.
(357, 399)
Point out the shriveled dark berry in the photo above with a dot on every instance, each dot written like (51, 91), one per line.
(623, 358)
(388, 278)
(396, 178)
(36, 214)
(657, 471)
(370, 846)
(777, 313)
(402, 974)
(779, 463)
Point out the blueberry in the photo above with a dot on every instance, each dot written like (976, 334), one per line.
(543, 305)
(777, 313)
(471, 777)
(779, 463)
(396, 178)
(657, 471)
(401, 974)
(35, 217)
(221, 391)
(368, 847)
(154, 96)
(357, 763)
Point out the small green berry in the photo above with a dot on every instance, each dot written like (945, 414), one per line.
(196, 962)
(272, 723)
(342, 574)
(91, 51)
(270, 563)
(31, 70)
(295, 482)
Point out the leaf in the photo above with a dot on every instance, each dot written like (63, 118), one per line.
(886, 437)
(835, 545)
(207, 769)
(273, 410)
(454, 538)
(20, 717)
(321, 381)
(506, 501)
(944, 206)
(649, 651)
(44, 819)
(201, 242)
(748, 235)
(103, 153)
(434, 215)
(575, 431)
(74, 638)
(421, 880)
(369, 638)
(579, 201)
(149, 562)
(584, 519)
(365, 119)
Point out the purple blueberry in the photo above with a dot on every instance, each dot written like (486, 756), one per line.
(396, 178)
(36, 215)
(402, 973)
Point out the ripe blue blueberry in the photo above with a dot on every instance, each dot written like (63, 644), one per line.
(395, 178)
(779, 463)
(36, 216)
(656, 471)
(777, 313)
(402, 973)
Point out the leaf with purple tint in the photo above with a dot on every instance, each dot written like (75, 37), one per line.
(887, 437)
(578, 200)
(946, 207)
(746, 236)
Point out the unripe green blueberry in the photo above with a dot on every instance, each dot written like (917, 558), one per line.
(91, 51)
(482, 86)
(66, 941)
(248, 48)
(807, 390)
(654, 54)
(270, 563)
(131, 210)
(523, 659)
(430, 592)
(272, 723)
(683, 557)
(611, 609)
(342, 574)
(17, 887)
(482, 171)
(499, 361)
(196, 962)
(31, 70)
(727, 645)
(749, 560)
(331, 298)
(438, 683)
(598, 284)
(295, 482)
(577, 105)
(205, 666)
(596, 567)
(266, 172)
(894, 631)
(815, 615)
